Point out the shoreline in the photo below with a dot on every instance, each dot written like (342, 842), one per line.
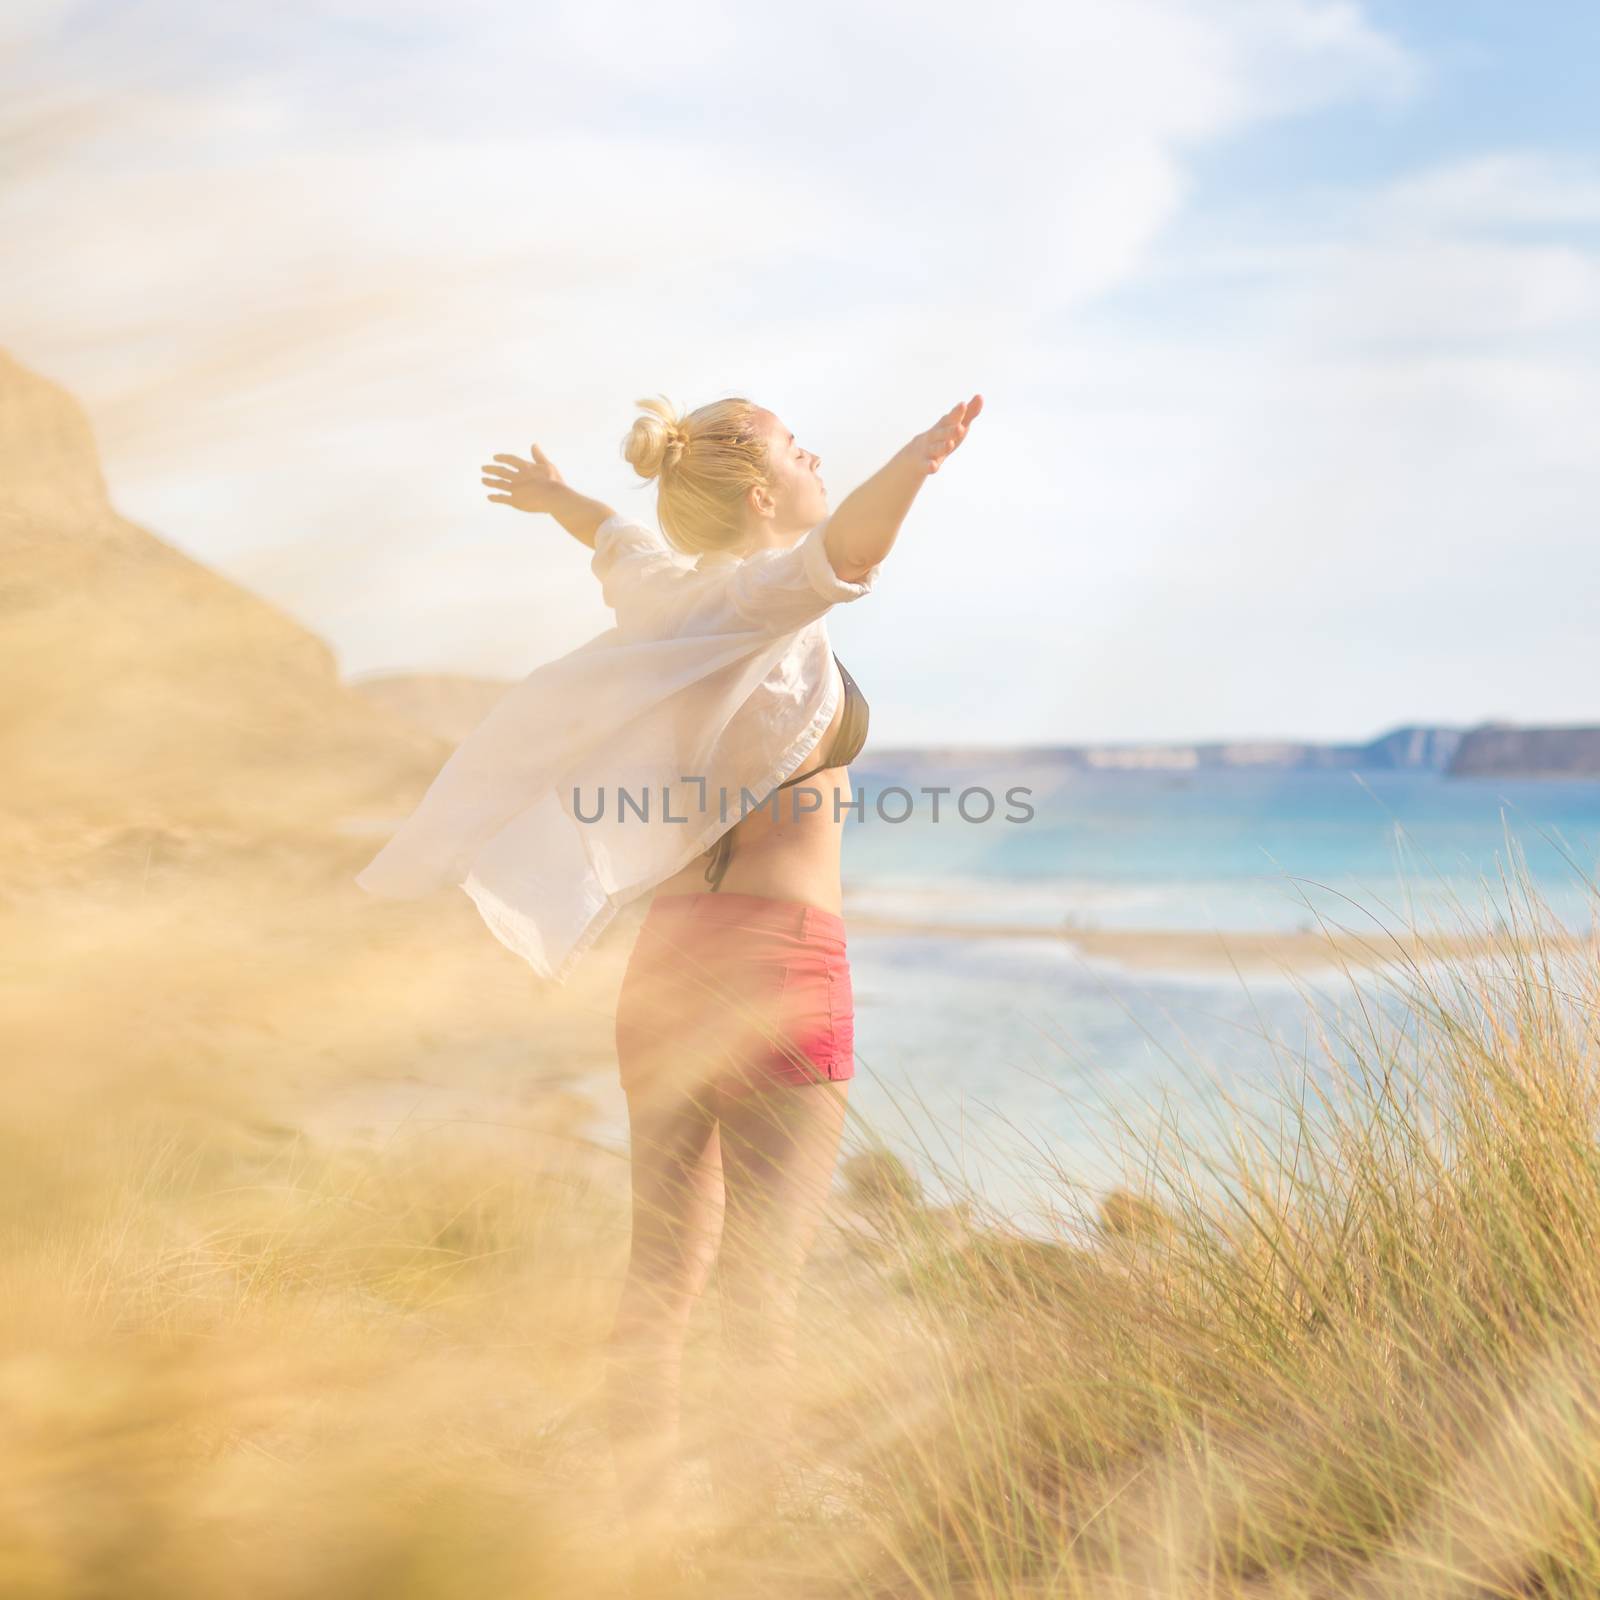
(1212, 953)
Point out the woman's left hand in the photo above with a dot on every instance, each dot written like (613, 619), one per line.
(527, 485)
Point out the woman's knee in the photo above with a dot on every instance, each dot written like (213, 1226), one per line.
(651, 1309)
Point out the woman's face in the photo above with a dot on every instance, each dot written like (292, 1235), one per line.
(795, 483)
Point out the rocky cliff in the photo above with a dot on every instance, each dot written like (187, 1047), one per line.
(1498, 750)
(140, 690)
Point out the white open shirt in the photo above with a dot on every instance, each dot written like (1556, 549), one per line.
(717, 669)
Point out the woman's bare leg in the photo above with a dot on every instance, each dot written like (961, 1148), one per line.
(779, 1148)
(677, 1219)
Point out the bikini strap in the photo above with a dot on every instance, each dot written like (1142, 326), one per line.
(788, 781)
(717, 866)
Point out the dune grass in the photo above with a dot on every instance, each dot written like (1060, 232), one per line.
(1354, 1349)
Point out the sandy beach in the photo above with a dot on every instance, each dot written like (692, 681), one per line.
(1214, 953)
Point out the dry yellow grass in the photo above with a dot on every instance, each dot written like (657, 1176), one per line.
(250, 1351)
(262, 1337)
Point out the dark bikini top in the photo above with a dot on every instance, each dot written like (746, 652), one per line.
(847, 743)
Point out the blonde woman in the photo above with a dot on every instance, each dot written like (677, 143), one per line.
(696, 752)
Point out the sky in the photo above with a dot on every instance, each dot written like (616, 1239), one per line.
(1286, 315)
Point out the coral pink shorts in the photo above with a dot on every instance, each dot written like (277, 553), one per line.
(735, 992)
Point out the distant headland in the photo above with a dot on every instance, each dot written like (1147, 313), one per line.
(450, 705)
(1490, 749)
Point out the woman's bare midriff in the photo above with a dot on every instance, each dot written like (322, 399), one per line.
(783, 850)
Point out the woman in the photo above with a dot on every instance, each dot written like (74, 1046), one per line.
(735, 1018)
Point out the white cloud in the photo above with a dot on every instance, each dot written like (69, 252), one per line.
(309, 266)
(1503, 188)
(1366, 496)
(1441, 288)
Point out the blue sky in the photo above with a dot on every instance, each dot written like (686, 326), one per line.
(1286, 313)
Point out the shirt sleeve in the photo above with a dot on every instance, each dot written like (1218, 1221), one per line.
(627, 554)
(782, 590)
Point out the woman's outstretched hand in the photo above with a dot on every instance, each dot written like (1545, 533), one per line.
(527, 485)
(932, 449)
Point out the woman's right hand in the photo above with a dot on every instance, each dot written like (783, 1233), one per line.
(533, 485)
(929, 451)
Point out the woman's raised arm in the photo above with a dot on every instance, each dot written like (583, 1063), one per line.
(536, 485)
(863, 529)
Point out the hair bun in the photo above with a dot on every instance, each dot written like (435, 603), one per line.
(657, 439)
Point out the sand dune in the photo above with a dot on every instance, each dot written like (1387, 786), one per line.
(143, 690)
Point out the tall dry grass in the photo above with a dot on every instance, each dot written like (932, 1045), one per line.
(306, 1255)
(250, 1351)
(1353, 1352)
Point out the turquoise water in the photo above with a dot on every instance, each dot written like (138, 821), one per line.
(1007, 1061)
(1230, 849)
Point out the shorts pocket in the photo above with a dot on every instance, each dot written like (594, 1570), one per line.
(755, 1001)
(842, 1013)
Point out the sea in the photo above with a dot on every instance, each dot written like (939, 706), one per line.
(1017, 1072)
(1020, 1074)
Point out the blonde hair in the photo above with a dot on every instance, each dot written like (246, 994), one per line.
(706, 462)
